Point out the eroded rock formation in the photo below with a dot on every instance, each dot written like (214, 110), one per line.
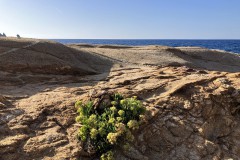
(45, 57)
(195, 112)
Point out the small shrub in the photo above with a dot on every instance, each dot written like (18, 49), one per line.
(111, 126)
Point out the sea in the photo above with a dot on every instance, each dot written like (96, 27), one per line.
(227, 45)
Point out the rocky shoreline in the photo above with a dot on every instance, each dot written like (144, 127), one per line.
(192, 93)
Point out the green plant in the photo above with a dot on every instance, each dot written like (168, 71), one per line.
(111, 126)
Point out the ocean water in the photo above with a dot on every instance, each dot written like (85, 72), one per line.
(227, 45)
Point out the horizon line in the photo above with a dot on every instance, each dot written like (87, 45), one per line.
(142, 38)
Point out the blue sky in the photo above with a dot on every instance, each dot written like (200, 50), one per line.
(121, 19)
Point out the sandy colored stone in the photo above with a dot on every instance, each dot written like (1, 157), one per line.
(193, 99)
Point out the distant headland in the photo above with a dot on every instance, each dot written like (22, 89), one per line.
(4, 35)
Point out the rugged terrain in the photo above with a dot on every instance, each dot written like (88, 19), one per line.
(192, 93)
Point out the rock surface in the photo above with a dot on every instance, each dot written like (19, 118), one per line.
(195, 112)
(193, 57)
(45, 57)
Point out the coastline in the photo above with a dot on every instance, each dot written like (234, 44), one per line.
(222, 44)
(192, 95)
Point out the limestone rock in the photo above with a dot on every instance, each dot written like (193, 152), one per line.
(192, 113)
(45, 57)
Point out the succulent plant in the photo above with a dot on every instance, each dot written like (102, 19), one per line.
(109, 127)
